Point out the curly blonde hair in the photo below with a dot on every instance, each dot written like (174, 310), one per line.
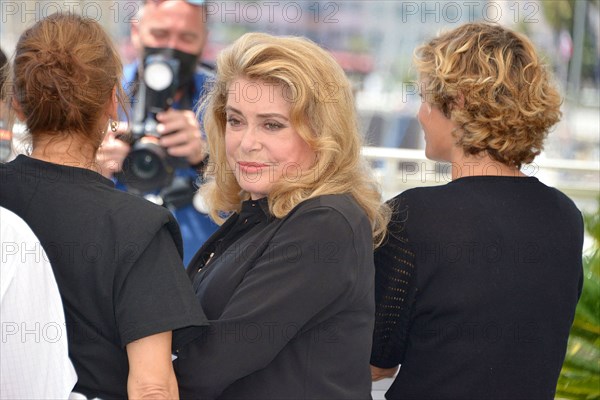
(322, 112)
(506, 100)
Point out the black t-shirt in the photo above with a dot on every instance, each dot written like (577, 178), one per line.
(476, 289)
(117, 262)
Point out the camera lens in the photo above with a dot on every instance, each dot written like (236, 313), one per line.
(145, 165)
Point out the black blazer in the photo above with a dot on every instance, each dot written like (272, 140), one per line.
(290, 302)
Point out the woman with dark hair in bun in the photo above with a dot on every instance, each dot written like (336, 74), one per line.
(116, 257)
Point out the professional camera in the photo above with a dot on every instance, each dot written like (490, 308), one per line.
(148, 167)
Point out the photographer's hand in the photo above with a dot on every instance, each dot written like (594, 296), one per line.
(180, 134)
(112, 152)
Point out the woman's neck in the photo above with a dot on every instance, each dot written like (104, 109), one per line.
(68, 150)
(482, 164)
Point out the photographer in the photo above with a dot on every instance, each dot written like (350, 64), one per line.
(174, 31)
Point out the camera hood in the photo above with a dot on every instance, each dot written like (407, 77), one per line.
(168, 68)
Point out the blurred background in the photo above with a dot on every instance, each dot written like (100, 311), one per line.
(373, 41)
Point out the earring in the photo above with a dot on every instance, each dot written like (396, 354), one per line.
(114, 125)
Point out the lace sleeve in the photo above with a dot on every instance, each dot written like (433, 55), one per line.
(394, 289)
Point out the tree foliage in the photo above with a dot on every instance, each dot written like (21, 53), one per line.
(580, 375)
(560, 14)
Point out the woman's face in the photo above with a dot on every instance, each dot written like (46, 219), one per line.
(261, 144)
(438, 129)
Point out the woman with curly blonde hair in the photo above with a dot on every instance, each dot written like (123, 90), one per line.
(287, 281)
(477, 280)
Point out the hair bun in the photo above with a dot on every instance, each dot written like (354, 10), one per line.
(63, 59)
(65, 70)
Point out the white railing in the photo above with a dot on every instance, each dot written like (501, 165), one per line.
(401, 169)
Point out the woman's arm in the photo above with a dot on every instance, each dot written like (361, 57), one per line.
(394, 294)
(378, 374)
(151, 374)
(153, 296)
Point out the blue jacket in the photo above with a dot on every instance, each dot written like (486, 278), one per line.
(195, 226)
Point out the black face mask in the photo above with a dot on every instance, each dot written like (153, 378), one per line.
(182, 65)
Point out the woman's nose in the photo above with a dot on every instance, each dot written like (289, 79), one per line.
(250, 140)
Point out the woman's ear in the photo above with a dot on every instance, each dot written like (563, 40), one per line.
(112, 110)
(17, 109)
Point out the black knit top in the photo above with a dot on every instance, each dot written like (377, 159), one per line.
(476, 288)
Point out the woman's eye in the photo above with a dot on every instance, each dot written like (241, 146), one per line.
(233, 121)
(273, 126)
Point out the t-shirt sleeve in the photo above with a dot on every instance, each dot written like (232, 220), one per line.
(394, 290)
(310, 264)
(156, 294)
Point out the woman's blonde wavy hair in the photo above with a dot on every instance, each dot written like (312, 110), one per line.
(506, 100)
(322, 112)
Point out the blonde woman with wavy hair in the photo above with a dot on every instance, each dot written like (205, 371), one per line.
(477, 282)
(287, 281)
(322, 111)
